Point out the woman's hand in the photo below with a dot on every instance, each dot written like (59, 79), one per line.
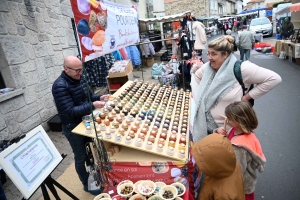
(104, 97)
(246, 97)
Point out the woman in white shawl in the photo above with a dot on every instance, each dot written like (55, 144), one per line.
(219, 87)
(200, 36)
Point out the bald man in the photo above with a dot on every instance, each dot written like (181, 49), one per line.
(71, 98)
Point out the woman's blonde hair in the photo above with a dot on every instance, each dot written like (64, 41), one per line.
(223, 44)
(242, 114)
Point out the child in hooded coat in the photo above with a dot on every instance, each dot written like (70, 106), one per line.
(215, 157)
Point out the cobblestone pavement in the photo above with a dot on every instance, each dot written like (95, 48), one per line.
(62, 145)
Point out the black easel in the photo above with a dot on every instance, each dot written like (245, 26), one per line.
(50, 182)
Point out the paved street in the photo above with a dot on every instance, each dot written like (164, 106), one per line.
(278, 114)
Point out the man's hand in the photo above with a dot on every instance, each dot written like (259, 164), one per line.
(99, 104)
(105, 97)
(221, 130)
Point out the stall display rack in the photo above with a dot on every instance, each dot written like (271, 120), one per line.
(181, 114)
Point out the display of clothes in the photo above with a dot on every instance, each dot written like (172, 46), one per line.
(186, 46)
(117, 55)
(147, 49)
(154, 36)
(97, 70)
(134, 55)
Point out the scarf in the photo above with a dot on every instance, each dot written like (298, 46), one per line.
(213, 86)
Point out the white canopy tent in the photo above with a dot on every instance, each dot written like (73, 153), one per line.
(291, 8)
(165, 18)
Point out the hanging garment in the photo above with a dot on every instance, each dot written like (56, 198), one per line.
(185, 43)
(97, 70)
(155, 36)
(117, 55)
(124, 53)
(134, 55)
(147, 49)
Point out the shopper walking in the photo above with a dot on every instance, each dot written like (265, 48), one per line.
(245, 42)
(242, 118)
(218, 86)
(200, 41)
(71, 99)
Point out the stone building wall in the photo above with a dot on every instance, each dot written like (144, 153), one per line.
(199, 8)
(35, 36)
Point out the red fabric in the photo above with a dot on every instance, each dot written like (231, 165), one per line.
(249, 196)
(187, 195)
(231, 134)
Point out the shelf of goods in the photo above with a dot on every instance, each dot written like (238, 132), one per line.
(145, 117)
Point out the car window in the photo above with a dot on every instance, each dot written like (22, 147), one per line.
(259, 21)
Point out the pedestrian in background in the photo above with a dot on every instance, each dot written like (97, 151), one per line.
(287, 29)
(242, 118)
(245, 42)
(200, 41)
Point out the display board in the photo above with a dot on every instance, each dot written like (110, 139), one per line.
(169, 105)
(30, 161)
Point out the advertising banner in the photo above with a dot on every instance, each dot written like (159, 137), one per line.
(104, 27)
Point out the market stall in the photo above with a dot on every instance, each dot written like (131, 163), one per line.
(145, 128)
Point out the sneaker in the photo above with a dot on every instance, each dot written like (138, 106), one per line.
(93, 192)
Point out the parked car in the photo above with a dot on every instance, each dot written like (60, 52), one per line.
(261, 25)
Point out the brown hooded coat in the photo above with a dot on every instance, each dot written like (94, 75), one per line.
(215, 157)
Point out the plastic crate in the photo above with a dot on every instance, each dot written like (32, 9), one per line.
(55, 123)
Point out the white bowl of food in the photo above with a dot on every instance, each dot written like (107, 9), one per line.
(137, 197)
(180, 188)
(168, 192)
(146, 187)
(159, 185)
(125, 189)
(102, 196)
(155, 197)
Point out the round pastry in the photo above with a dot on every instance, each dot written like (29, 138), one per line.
(163, 135)
(98, 119)
(106, 122)
(159, 147)
(151, 138)
(128, 140)
(170, 151)
(121, 131)
(171, 144)
(107, 135)
(131, 134)
(118, 137)
(161, 141)
(138, 142)
(149, 145)
(88, 130)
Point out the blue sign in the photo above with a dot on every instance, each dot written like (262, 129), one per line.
(268, 13)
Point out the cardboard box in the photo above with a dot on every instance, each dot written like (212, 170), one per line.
(122, 63)
(298, 61)
(148, 62)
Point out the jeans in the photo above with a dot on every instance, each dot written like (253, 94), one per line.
(77, 143)
(245, 52)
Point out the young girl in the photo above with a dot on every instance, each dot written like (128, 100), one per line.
(242, 118)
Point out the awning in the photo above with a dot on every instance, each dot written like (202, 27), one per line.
(251, 11)
(291, 8)
(165, 18)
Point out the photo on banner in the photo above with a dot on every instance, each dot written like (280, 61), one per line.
(103, 27)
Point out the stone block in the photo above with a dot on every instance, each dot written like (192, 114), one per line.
(55, 3)
(70, 37)
(48, 100)
(42, 86)
(45, 15)
(55, 23)
(41, 72)
(10, 23)
(3, 28)
(23, 9)
(4, 6)
(48, 61)
(2, 122)
(50, 49)
(17, 76)
(27, 111)
(43, 93)
(49, 30)
(54, 40)
(43, 37)
(25, 39)
(32, 37)
(63, 42)
(21, 30)
(29, 2)
(57, 47)
(30, 95)
(59, 58)
(31, 78)
(13, 49)
(12, 104)
(40, 49)
(39, 5)
(30, 23)
(51, 75)
(30, 123)
(66, 10)
(4, 134)
(30, 51)
(48, 4)
(28, 66)
(63, 20)
(30, 8)
(40, 23)
(12, 124)
(31, 14)
(13, 7)
(52, 14)
(45, 115)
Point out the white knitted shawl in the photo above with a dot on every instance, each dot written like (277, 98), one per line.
(213, 86)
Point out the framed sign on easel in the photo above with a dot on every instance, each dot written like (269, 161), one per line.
(30, 161)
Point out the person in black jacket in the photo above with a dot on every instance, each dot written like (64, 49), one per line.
(71, 99)
(287, 29)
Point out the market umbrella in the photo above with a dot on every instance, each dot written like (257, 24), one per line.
(291, 8)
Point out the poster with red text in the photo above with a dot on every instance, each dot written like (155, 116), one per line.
(104, 27)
